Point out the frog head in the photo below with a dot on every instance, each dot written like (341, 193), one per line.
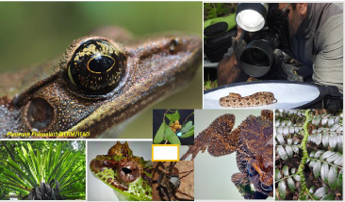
(128, 175)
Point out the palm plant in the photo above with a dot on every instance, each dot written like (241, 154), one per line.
(47, 175)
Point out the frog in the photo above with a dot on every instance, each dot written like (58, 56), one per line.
(252, 141)
(101, 82)
(128, 175)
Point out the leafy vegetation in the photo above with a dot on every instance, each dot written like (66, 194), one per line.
(42, 170)
(172, 132)
(309, 155)
(214, 10)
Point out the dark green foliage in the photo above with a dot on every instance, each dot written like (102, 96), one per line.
(42, 170)
(214, 10)
(309, 155)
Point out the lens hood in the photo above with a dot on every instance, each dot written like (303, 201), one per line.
(257, 58)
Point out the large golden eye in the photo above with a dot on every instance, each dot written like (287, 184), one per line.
(96, 66)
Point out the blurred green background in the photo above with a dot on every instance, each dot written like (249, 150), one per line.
(34, 32)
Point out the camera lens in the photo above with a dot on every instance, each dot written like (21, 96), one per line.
(256, 56)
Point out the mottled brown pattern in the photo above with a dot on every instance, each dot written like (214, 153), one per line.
(252, 141)
(256, 99)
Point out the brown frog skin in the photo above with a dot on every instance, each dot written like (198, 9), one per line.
(252, 141)
(44, 98)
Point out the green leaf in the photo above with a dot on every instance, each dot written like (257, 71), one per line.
(293, 170)
(171, 136)
(328, 197)
(291, 184)
(286, 170)
(324, 172)
(327, 154)
(333, 141)
(325, 140)
(317, 168)
(318, 154)
(160, 134)
(318, 138)
(173, 117)
(289, 151)
(278, 174)
(304, 197)
(340, 181)
(282, 189)
(188, 134)
(332, 177)
(280, 138)
(320, 193)
(295, 148)
(186, 127)
(282, 153)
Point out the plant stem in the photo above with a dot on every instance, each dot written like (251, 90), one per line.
(305, 155)
(187, 118)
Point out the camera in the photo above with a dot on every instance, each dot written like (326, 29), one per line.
(265, 29)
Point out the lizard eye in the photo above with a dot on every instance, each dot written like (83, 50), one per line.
(96, 66)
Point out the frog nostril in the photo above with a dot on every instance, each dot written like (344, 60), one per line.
(40, 114)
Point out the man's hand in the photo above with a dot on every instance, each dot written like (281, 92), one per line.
(229, 70)
(238, 43)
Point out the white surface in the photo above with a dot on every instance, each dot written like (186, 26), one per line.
(97, 190)
(288, 95)
(209, 64)
(169, 152)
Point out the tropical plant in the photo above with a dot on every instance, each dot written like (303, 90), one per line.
(309, 155)
(172, 132)
(213, 10)
(49, 173)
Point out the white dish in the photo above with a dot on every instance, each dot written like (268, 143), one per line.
(289, 95)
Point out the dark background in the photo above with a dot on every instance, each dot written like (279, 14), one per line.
(158, 115)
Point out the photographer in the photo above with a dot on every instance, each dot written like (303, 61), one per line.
(316, 40)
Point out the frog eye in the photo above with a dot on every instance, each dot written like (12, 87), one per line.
(128, 171)
(40, 114)
(175, 45)
(96, 66)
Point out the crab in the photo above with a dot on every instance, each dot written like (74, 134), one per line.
(252, 141)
